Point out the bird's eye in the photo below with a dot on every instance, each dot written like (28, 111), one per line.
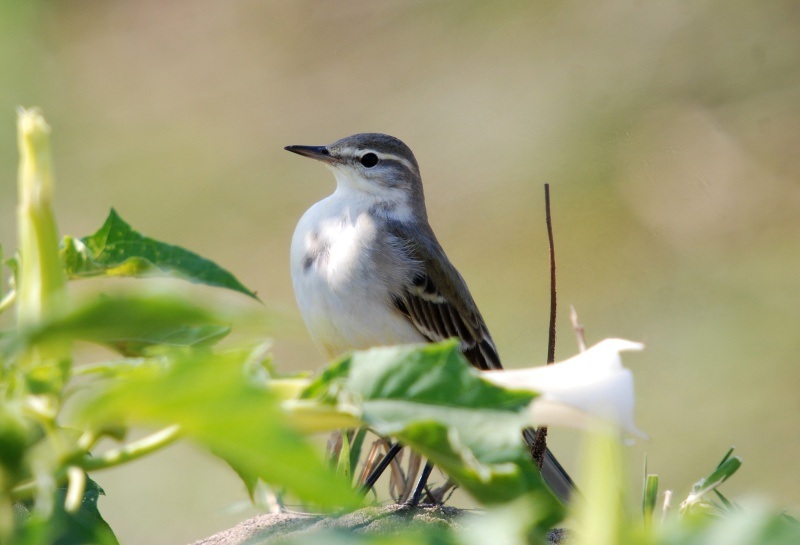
(369, 160)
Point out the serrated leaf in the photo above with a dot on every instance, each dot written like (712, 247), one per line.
(214, 401)
(118, 250)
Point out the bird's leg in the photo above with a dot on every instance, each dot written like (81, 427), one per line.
(380, 468)
(414, 463)
(421, 485)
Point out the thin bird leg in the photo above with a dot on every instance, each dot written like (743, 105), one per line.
(414, 463)
(380, 468)
(421, 485)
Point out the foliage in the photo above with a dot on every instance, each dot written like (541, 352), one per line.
(172, 377)
(412, 393)
(118, 250)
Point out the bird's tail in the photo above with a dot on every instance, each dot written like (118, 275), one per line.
(556, 477)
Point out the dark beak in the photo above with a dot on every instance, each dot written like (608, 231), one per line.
(320, 153)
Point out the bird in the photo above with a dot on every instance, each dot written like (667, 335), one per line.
(368, 270)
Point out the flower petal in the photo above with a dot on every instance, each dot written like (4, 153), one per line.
(593, 384)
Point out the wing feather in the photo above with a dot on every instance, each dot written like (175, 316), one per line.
(437, 301)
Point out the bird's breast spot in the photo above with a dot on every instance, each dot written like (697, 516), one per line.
(318, 257)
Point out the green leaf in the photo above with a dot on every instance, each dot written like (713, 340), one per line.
(330, 382)
(429, 398)
(722, 473)
(118, 250)
(18, 434)
(355, 449)
(431, 374)
(130, 323)
(649, 498)
(217, 404)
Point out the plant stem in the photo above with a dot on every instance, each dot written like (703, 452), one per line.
(8, 300)
(133, 451)
(112, 458)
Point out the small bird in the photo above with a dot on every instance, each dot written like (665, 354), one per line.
(368, 270)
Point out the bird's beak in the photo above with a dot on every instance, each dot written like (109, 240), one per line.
(320, 153)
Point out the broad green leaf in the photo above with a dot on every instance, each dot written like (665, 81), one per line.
(215, 402)
(429, 398)
(118, 250)
(430, 374)
(131, 323)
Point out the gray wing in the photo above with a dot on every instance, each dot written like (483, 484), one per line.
(438, 309)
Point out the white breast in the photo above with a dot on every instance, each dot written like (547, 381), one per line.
(343, 297)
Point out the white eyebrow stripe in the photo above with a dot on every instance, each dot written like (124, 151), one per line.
(403, 161)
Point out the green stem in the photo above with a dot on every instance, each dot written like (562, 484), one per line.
(8, 300)
(132, 451)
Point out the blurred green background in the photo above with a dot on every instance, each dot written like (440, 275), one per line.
(669, 131)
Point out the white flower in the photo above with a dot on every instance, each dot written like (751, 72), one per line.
(575, 392)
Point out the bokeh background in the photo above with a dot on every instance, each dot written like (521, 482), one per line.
(669, 131)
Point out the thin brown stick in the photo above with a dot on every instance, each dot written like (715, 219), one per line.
(539, 446)
(414, 464)
(551, 332)
(397, 479)
(369, 463)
